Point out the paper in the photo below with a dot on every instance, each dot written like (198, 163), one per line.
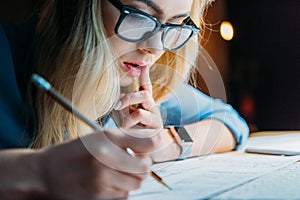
(286, 144)
(281, 184)
(206, 177)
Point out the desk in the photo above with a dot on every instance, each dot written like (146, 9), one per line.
(283, 183)
(271, 133)
(235, 175)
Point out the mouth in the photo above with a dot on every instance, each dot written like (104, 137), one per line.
(134, 69)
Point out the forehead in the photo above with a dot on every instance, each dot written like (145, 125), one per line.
(167, 7)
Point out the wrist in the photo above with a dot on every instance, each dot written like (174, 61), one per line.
(183, 139)
(169, 149)
(19, 174)
(34, 183)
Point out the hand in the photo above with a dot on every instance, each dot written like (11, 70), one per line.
(147, 113)
(145, 122)
(92, 168)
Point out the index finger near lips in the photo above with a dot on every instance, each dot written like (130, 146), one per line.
(145, 81)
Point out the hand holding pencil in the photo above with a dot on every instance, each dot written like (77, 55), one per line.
(45, 86)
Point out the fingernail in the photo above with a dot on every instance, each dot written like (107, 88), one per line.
(118, 105)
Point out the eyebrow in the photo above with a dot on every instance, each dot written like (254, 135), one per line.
(152, 5)
(185, 15)
(157, 9)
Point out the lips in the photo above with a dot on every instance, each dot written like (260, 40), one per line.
(134, 69)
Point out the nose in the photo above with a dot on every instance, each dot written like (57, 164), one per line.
(153, 45)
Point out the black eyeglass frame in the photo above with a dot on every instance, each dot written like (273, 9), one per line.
(126, 10)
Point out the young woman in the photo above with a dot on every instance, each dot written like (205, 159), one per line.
(94, 52)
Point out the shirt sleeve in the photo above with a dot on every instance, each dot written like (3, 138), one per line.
(189, 105)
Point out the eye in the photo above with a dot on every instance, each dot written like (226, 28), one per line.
(178, 21)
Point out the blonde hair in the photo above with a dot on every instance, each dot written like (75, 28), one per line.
(179, 65)
(78, 62)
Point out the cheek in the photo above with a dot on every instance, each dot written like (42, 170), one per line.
(108, 29)
(120, 47)
(110, 17)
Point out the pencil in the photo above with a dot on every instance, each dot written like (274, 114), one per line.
(46, 86)
(160, 180)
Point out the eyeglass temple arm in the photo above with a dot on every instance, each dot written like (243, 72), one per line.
(189, 21)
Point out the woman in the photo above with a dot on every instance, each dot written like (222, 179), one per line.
(93, 52)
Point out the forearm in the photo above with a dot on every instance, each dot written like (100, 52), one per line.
(209, 136)
(19, 175)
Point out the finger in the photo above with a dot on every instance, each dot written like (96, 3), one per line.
(120, 160)
(112, 154)
(119, 103)
(149, 118)
(142, 97)
(145, 81)
(139, 140)
(115, 180)
(139, 116)
(105, 192)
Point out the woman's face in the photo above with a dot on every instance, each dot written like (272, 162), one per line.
(132, 56)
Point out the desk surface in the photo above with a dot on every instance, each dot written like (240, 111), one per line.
(233, 175)
(271, 133)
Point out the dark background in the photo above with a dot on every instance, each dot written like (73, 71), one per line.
(264, 72)
(260, 66)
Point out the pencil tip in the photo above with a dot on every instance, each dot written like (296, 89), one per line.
(166, 186)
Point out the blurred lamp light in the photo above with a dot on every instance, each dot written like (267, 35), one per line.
(226, 30)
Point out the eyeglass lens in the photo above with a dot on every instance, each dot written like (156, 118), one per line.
(137, 26)
(175, 37)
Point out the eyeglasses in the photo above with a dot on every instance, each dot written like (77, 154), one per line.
(137, 26)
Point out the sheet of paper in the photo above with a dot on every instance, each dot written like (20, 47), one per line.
(281, 184)
(209, 176)
(286, 144)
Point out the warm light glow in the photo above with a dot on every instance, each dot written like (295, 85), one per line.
(226, 30)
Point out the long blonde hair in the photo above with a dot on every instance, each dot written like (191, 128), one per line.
(72, 54)
(179, 65)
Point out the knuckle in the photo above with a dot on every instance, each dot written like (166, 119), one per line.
(144, 168)
(138, 112)
(148, 95)
(126, 98)
(144, 94)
